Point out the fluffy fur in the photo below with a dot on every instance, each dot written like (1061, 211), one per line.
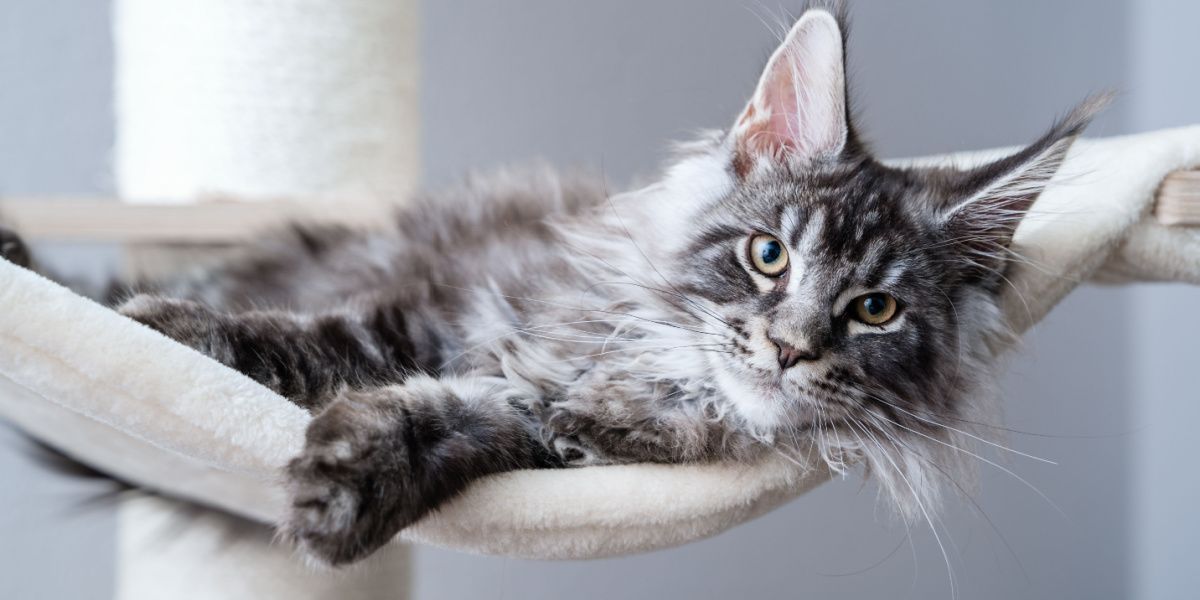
(530, 320)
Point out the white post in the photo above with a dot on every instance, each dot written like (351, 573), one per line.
(249, 100)
(265, 98)
(166, 549)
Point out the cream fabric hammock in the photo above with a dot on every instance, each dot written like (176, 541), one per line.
(127, 400)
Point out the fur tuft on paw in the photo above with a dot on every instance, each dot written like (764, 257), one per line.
(348, 486)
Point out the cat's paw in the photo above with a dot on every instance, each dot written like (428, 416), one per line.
(348, 485)
(584, 433)
(13, 248)
(570, 433)
(323, 508)
(151, 309)
(181, 320)
(573, 453)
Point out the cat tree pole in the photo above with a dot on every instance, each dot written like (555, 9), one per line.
(256, 101)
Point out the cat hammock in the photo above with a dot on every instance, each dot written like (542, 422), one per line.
(126, 400)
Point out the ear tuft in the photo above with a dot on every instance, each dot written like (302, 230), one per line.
(798, 111)
(988, 202)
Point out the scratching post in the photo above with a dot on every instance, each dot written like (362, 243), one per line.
(261, 99)
(255, 100)
(170, 550)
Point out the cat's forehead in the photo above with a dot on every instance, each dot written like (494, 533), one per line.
(838, 208)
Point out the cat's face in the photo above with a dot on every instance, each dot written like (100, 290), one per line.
(839, 289)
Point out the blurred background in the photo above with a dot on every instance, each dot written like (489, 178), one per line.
(1106, 386)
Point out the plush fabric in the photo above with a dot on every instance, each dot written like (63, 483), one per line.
(130, 402)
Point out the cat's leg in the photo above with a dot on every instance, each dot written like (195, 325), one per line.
(609, 418)
(304, 358)
(376, 460)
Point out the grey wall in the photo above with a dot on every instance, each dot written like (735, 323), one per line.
(607, 85)
(1164, 522)
(56, 97)
(55, 134)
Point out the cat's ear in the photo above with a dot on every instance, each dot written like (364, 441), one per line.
(798, 111)
(985, 204)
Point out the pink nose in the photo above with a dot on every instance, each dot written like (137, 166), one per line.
(789, 355)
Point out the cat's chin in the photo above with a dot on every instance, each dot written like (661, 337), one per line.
(758, 398)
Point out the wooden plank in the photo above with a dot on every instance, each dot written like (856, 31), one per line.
(1178, 200)
(109, 220)
(224, 221)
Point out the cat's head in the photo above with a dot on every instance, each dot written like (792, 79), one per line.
(855, 299)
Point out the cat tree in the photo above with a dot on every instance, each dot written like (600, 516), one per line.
(267, 100)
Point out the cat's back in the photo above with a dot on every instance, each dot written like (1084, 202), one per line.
(490, 229)
(497, 207)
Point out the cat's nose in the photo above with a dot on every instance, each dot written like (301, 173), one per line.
(789, 355)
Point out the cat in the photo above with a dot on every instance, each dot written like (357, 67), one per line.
(778, 290)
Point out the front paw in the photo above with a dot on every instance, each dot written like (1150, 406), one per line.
(590, 433)
(325, 504)
(184, 321)
(155, 310)
(570, 437)
(349, 487)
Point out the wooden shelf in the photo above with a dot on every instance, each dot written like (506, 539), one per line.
(1179, 199)
(217, 221)
(225, 221)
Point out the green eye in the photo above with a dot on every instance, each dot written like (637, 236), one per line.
(874, 309)
(768, 255)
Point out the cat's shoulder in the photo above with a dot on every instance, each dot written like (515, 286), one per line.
(509, 196)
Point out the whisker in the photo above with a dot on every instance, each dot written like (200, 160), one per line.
(907, 527)
(921, 505)
(966, 433)
(962, 491)
(983, 459)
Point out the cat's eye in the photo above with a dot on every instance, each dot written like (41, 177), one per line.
(875, 309)
(768, 255)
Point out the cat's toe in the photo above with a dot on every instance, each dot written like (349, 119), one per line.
(350, 491)
(564, 421)
(153, 310)
(184, 321)
(573, 453)
(323, 515)
(568, 436)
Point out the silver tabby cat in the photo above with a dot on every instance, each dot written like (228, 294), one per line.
(777, 291)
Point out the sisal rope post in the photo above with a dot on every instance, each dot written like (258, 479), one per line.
(259, 99)
(255, 100)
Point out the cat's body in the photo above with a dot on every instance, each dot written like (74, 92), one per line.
(778, 290)
(487, 294)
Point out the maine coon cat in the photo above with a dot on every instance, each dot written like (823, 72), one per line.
(779, 290)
